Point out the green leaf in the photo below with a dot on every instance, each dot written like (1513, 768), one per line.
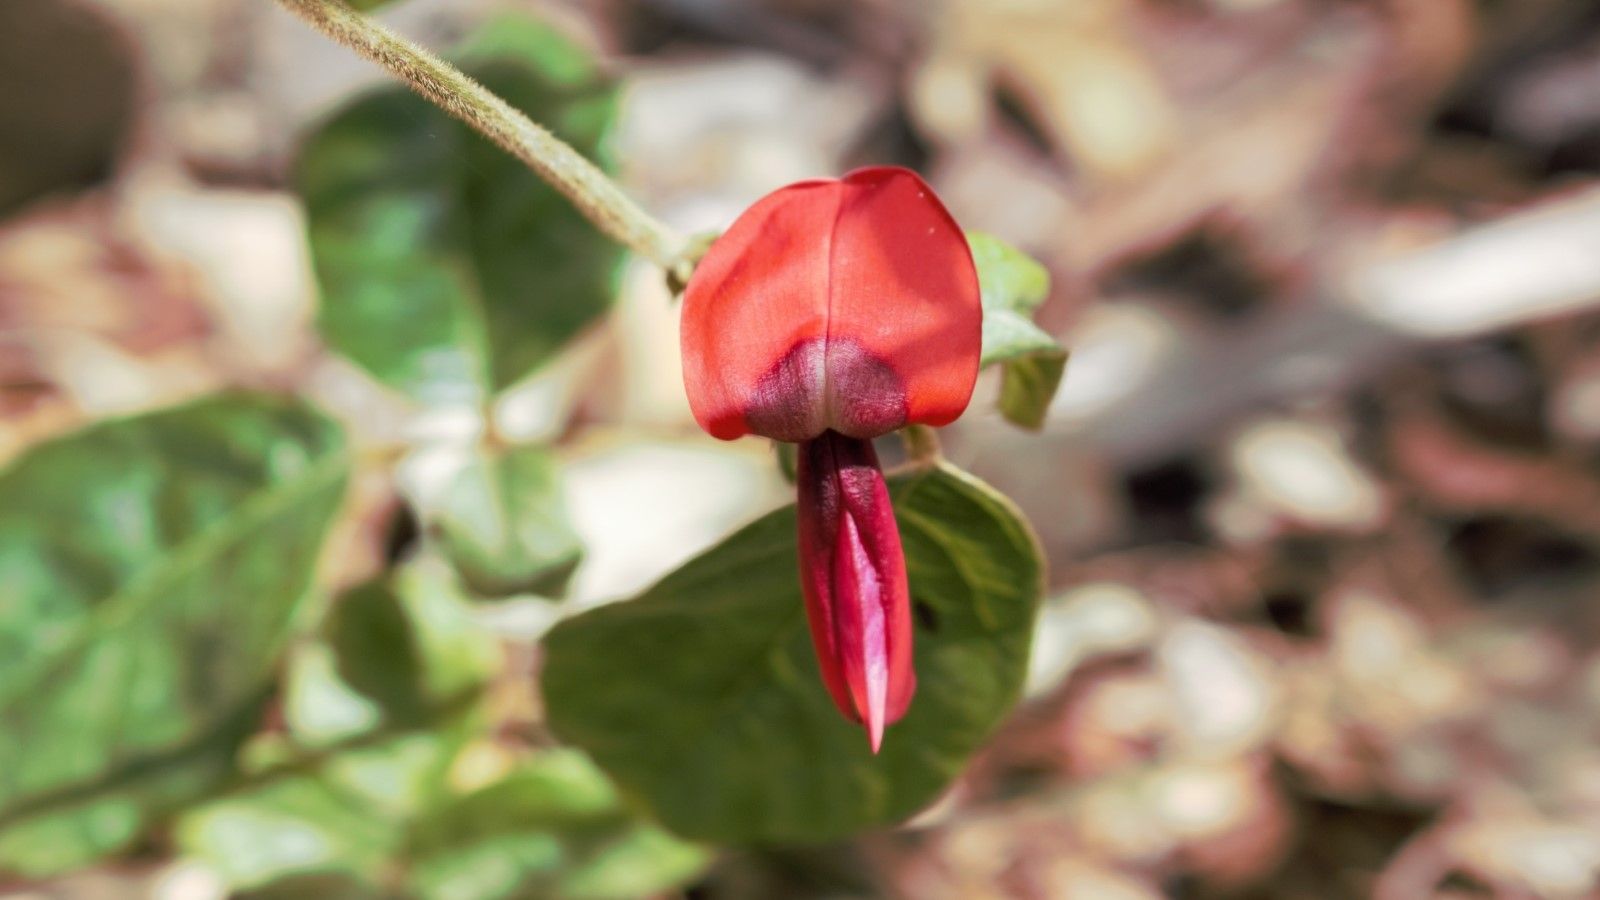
(292, 826)
(1027, 386)
(499, 866)
(458, 655)
(556, 789)
(377, 713)
(1013, 287)
(397, 653)
(503, 524)
(150, 571)
(703, 699)
(641, 861)
(318, 706)
(448, 269)
(372, 650)
(342, 811)
(553, 827)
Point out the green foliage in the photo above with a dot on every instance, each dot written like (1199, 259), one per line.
(297, 824)
(553, 827)
(503, 524)
(357, 798)
(1032, 362)
(396, 653)
(151, 570)
(1027, 386)
(449, 270)
(702, 696)
(377, 709)
(371, 650)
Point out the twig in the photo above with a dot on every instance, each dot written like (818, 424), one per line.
(595, 195)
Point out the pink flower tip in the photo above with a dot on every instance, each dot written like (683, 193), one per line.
(853, 575)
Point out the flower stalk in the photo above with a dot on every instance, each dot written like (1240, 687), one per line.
(565, 169)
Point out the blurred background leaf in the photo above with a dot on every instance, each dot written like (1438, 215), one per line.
(152, 569)
(551, 826)
(395, 653)
(503, 524)
(377, 709)
(299, 825)
(702, 696)
(554, 826)
(1014, 286)
(1028, 384)
(364, 788)
(375, 654)
(448, 270)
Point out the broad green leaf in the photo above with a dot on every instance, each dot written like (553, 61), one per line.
(503, 525)
(396, 655)
(642, 861)
(374, 655)
(319, 707)
(448, 269)
(553, 827)
(702, 697)
(458, 656)
(293, 826)
(61, 830)
(1013, 287)
(497, 867)
(405, 646)
(150, 571)
(377, 712)
(556, 789)
(343, 811)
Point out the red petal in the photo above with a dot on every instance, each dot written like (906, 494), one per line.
(753, 299)
(854, 580)
(850, 305)
(904, 287)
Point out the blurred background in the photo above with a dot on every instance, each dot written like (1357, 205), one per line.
(1320, 493)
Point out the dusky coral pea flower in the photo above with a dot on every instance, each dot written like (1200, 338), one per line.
(831, 312)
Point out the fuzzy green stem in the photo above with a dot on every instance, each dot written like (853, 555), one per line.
(589, 189)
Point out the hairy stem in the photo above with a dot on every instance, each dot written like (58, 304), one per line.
(595, 195)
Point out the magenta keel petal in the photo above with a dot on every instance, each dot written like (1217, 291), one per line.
(854, 579)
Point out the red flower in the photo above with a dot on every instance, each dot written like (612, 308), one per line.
(847, 304)
(831, 312)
